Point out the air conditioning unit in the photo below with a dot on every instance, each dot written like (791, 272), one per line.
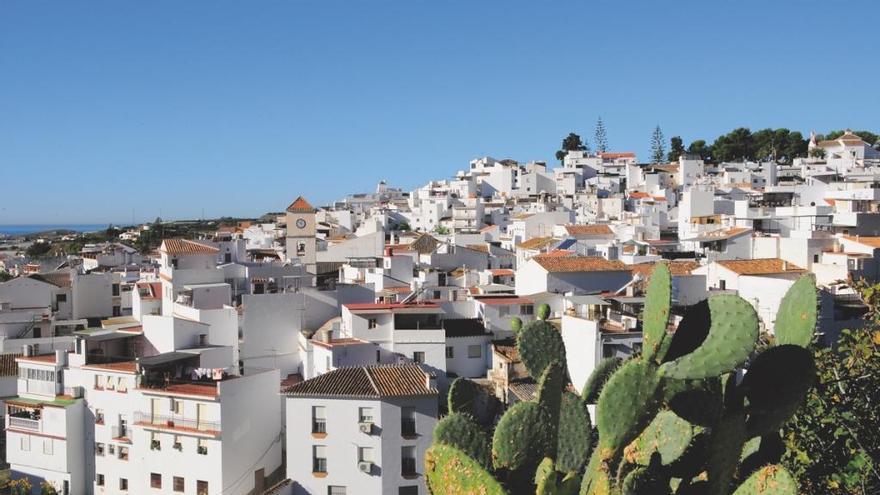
(365, 466)
(366, 428)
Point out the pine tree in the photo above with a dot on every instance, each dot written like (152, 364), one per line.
(658, 148)
(601, 138)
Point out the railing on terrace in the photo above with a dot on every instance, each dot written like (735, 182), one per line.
(161, 420)
(24, 423)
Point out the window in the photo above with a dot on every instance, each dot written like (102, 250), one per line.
(418, 357)
(527, 309)
(815, 258)
(117, 311)
(26, 443)
(122, 386)
(378, 356)
(201, 487)
(115, 289)
(174, 263)
(203, 447)
(60, 298)
(319, 459)
(178, 484)
(475, 351)
(365, 454)
(319, 420)
(47, 446)
(178, 445)
(176, 406)
(123, 484)
(372, 323)
(407, 461)
(123, 453)
(99, 479)
(111, 449)
(335, 490)
(408, 490)
(155, 480)
(722, 284)
(155, 443)
(365, 415)
(300, 248)
(450, 352)
(408, 421)
(99, 449)
(100, 381)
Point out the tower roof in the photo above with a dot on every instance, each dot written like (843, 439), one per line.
(300, 205)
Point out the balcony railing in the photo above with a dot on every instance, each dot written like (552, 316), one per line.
(24, 423)
(175, 422)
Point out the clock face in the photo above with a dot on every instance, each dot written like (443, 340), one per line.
(301, 223)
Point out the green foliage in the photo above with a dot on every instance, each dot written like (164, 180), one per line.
(732, 337)
(833, 441)
(769, 480)
(574, 440)
(516, 324)
(521, 437)
(461, 397)
(543, 311)
(449, 471)
(766, 144)
(460, 431)
(539, 344)
(38, 249)
(658, 148)
(548, 481)
(627, 404)
(657, 310)
(603, 370)
(572, 142)
(700, 148)
(667, 435)
(676, 149)
(867, 136)
(601, 138)
(796, 317)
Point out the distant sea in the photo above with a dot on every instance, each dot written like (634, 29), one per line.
(29, 229)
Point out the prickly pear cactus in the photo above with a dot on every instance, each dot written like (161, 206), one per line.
(796, 316)
(460, 431)
(539, 344)
(516, 324)
(657, 311)
(462, 394)
(769, 480)
(449, 471)
(598, 377)
(732, 337)
(674, 420)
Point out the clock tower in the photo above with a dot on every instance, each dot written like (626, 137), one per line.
(301, 243)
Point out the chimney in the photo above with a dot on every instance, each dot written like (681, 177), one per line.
(430, 380)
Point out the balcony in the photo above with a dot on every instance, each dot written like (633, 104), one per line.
(176, 423)
(22, 423)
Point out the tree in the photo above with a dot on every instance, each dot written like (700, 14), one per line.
(658, 149)
(833, 441)
(38, 249)
(738, 144)
(601, 138)
(572, 142)
(676, 149)
(699, 147)
(817, 153)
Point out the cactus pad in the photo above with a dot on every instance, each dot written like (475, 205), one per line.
(549, 397)
(728, 438)
(697, 401)
(761, 451)
(667, 435)
(574, 434)
(462, 395)
(769, 480)
(449, 471)
(779, 376)
(732, 337)
(691, 331)
(551, 482)
(601, 373)
(658, 301)
(626, 405)
(522, 436)
(796, 316)
(644, 481)
(539, 344)
(459, 431)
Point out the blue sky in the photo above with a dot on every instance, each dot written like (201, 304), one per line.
(236, 108)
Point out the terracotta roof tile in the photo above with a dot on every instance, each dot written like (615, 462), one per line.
(378, 381)
(300, 205)
(596, 229)
(621, 154)
(569, 264)
(873, 242)
(58, 279)
(184, 246)
(536, 243)
(761, 266)
(8, 364)
(676, 268)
